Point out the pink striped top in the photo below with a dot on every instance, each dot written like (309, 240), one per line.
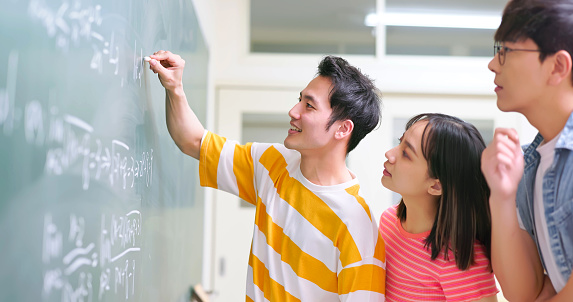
(411, 275)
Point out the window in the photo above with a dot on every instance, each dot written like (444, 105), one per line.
(406, 27)
(312, 26)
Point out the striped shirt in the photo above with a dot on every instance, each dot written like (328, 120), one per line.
(413, 276)
(310, 242)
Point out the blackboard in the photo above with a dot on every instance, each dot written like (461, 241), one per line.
(96, 201)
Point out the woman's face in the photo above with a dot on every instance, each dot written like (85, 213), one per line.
(406, 170)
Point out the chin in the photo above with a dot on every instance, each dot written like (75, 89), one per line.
(287, 143)
(504, 106)
(384, 184)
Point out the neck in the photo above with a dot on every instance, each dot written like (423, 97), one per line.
(550, 117)
(325, 169)
(420, 214)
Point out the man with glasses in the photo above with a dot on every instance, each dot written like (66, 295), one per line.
(532, 247)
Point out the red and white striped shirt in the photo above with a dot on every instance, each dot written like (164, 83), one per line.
(411, 275)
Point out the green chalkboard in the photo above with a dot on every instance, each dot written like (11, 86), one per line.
(96, 201)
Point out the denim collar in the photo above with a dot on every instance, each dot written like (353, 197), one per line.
(566, 138)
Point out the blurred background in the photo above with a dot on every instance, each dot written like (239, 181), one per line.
(424, 55)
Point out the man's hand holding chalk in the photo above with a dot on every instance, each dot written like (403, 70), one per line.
(170, 69)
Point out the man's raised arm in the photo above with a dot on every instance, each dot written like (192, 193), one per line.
(514, 257)
(182, 123)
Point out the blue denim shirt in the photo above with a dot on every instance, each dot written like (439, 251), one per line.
(557, 197)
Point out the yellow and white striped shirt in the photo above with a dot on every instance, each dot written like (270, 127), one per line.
(310, 242)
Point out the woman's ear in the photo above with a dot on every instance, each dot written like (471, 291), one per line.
(435, 188)
(344, 129)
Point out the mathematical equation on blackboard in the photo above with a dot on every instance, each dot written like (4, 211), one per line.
(70, 257)
(73, 25)
(69, 140)
(81, 139)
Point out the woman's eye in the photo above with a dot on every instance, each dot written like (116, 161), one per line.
(405, 154)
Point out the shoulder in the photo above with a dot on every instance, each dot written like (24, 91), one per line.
(388, 221)
(275, 156)
(273, 150)
(471, 284)
(481, 262)
(390, 213)
(481, 265)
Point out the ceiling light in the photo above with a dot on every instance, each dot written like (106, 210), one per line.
(371, 20)
(434, 20)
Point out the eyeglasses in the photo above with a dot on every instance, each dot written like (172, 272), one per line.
(503, 50)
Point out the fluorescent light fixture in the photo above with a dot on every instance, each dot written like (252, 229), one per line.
(433, 20)
(371, 20)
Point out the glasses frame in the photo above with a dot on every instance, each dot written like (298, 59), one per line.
(502, 51)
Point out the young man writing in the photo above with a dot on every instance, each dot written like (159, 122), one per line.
(532, 67)
(314, 237)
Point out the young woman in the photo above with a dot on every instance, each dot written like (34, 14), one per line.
(438, 236)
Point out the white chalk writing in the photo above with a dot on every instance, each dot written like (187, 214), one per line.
(81, 23)
(68, 263)
(8, 95)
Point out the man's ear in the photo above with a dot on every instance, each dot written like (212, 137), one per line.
(345, 128)
(435, 188)
(561, 67)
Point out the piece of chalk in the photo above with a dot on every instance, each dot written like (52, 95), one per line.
(146, 59)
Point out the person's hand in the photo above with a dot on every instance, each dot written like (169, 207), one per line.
(502, 164)
(169, 68)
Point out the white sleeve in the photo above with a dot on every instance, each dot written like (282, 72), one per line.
(203, 137)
